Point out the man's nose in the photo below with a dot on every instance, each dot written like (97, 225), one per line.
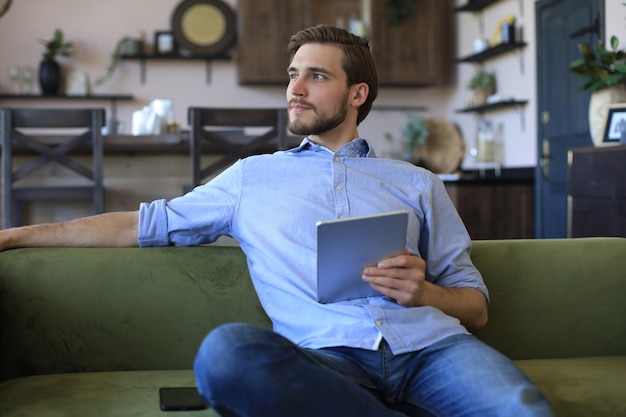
(296, 87)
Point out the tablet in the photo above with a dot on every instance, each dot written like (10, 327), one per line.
(346, 246)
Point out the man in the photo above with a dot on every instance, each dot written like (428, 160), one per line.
(408, 351)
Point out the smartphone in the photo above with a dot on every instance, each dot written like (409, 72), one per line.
(180, 399)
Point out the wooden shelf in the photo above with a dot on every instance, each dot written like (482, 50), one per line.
(475, 5)
(493, 106)
(65, 97)
(176, 57)
(492, 52)
(500, 105)
(113, 98)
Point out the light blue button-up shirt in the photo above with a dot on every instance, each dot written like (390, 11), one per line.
(271, 203)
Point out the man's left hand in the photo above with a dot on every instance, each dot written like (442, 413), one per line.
(402, 278)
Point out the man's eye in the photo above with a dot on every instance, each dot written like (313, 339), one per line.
(293, 76)
(319, 76)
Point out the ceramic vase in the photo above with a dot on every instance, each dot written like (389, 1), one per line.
(599, 108)
(49, 77)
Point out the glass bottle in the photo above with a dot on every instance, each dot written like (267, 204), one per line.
(485, 142)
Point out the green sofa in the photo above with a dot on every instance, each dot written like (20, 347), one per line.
(96, 332)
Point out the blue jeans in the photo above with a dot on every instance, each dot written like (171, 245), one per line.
(243, 370)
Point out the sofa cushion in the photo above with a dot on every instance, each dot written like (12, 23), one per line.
(581, 387)
(576, 387)
(103, 394)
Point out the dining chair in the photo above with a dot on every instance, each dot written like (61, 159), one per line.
(44, 136)
(236, 133)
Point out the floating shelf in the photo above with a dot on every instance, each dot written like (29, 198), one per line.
(492, 52)
(65, 97)
(113, 98)
(176, 57)
(475, 5)
(500, 105)
(493, 106)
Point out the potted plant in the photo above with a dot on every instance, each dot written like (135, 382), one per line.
(415, 134)
(604, 74)
(600, 67)
(483, 84)
(49, 70)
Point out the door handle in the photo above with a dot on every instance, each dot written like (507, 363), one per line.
(545, 159)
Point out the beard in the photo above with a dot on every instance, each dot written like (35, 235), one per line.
(323, 123)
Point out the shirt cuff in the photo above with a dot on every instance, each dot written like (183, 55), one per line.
(153, 224)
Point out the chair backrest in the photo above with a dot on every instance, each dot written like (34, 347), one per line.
(224, 129)
(29, 131)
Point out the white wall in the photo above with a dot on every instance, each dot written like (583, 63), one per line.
(96, 25)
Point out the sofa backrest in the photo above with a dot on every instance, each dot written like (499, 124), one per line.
(555, 297)
(77, 310)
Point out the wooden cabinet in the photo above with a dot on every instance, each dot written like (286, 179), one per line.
(498, 210)
(597, 192)
(264, 31)
(418, 52)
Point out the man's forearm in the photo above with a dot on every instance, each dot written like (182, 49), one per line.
(466, 304)
(118, 229)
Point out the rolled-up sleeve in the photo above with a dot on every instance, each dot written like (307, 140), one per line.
(153, 224)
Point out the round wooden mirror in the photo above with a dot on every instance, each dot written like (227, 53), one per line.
(204, 27)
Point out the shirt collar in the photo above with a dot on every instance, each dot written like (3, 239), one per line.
(356, 148)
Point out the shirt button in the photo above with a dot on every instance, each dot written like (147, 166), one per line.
(338, 187)
(379, 323)
(337, 159)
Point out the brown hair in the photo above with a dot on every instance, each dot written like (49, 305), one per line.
(358, 63)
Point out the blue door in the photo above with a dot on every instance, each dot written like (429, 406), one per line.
(562, 111)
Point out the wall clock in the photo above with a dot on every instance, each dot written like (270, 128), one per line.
(4, 6)
(204, 27)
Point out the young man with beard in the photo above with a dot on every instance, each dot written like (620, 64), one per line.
(407, 352)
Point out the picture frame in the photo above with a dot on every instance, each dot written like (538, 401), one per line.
(164, 43)
(615, 127)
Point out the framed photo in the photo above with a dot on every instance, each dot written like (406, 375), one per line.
(164, 43)
(615, 128)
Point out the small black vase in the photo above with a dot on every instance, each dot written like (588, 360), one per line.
(49, 77)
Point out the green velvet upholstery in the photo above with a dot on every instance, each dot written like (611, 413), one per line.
(98, 331)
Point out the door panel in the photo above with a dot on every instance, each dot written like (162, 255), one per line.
(562, 111)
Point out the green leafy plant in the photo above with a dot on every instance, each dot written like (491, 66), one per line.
(482, 79)
(57, 46)
(600, 67)
(115, 59)
(415, 132)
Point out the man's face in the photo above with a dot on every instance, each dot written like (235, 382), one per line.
(317, 93)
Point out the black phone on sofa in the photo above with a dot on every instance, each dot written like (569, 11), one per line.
(180, 399)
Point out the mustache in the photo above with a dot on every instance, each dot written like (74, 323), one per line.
(295, 101)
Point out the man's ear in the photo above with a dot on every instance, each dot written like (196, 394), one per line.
(359, 93)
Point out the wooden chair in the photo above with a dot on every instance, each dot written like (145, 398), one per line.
(225, 130)
(50, 135)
